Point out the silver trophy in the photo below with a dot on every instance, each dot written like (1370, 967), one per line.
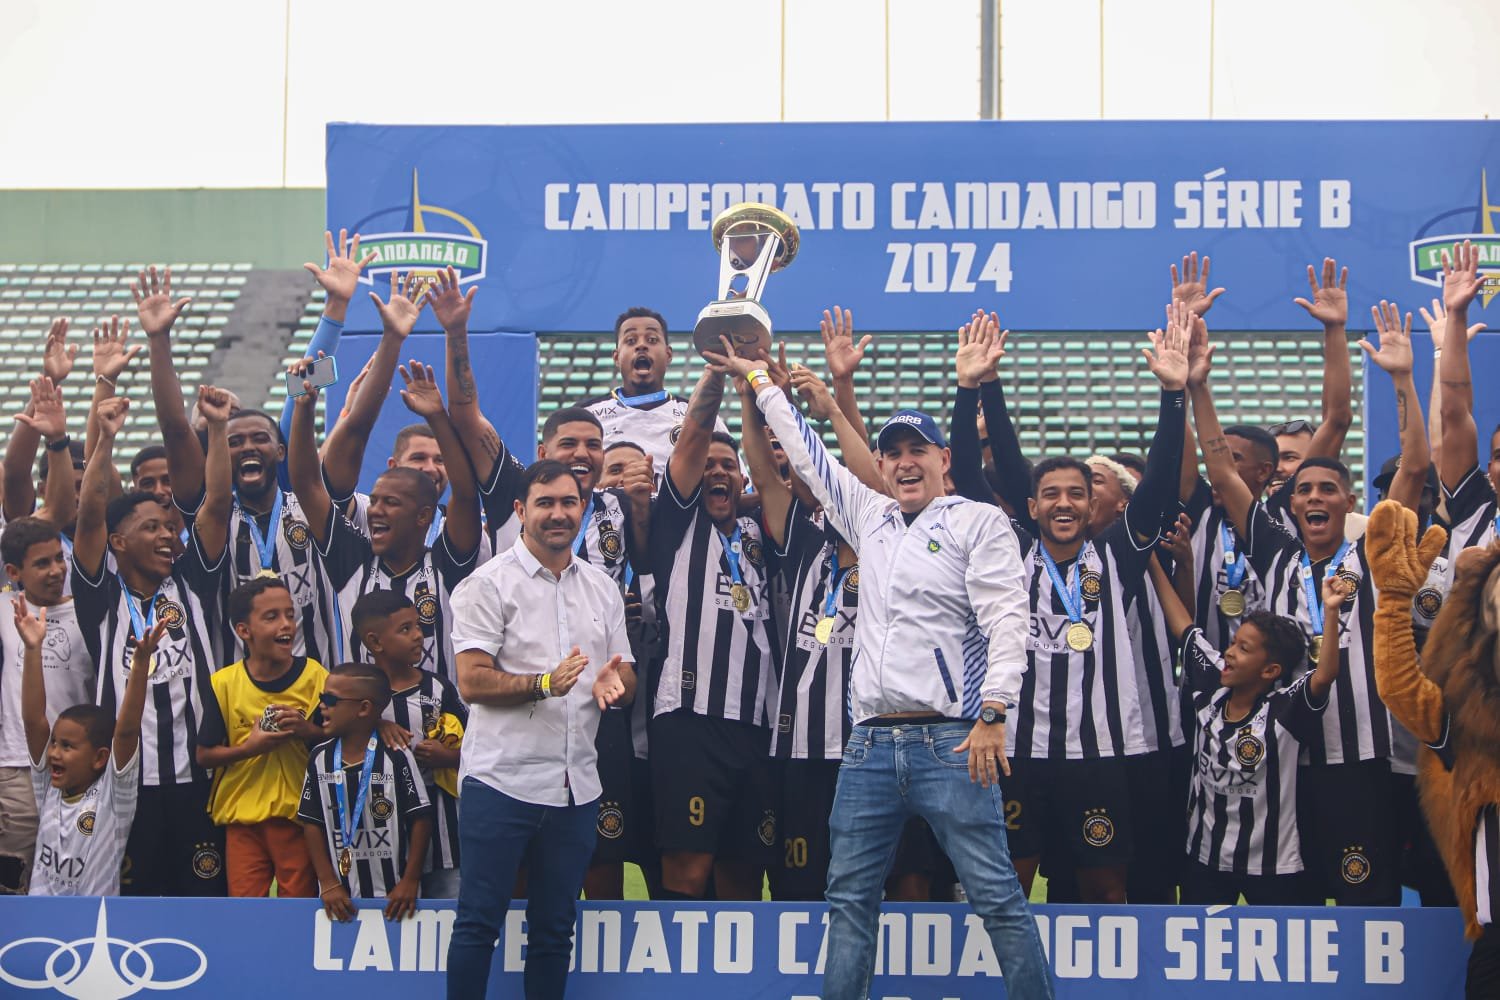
(752, 240)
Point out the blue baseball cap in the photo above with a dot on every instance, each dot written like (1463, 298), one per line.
(911, 420)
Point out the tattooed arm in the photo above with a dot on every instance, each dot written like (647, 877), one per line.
(691, 451)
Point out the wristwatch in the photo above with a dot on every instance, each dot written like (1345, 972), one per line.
(991, 715)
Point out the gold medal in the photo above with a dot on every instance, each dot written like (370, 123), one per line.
(346, 861)
(740, 594)
(1080, 637)
(1315, 648)
(824, 631)
(151, 665)
(1232, 602)
(267, 572)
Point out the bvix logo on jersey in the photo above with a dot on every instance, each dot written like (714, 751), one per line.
(1441, 232)
(432, 239)
(101, 967)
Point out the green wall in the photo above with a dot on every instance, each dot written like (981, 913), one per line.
(267, 227)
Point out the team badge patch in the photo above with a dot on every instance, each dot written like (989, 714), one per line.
(169, 611)
(851, 582)
(753, 552)
(86, 823)
(767, 828)
(297, 534)
(1429, 602)
(427, 609)
(1091, 585)
(610, 542)
(1249, 750)
(1349, 581)
(933, 546)
(381, 807)
(208, 862)
(676, 433)
(688, 680)
(1355, 867)
(1098, 829)
(611, 820)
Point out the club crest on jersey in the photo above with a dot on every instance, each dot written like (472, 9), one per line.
(1429, 602)
(610, 542)
(851, 582)
(766, 830)
(688, 680)
(86, 823)
(1249, 750)
(207, 862)
(1098, 828)
(380, 806)
(675, 434)
(427, 608)
(611, 820)
(1355, 867)
(1348, 581)
(298, 535)
(169, 611)
(933, 546)
(1091, 585)
(753, 552)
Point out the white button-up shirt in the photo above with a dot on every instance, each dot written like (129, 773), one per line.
(514, 609)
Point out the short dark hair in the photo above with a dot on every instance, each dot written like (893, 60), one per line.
(637, 312)
(1258, 436)
(98, 725)
(724, 437)
(123, 506)
(1319, 462)
(1282, 638)
(75, 451)
(544, 471)
(246, 411)
(242, 598)
(623, 444)
(375, 685)
(377, 605)
(569, 415)
(147, 454)
(1132, 460)
(1058, 463)
(405, 434)
(21, 534)
(427, 492)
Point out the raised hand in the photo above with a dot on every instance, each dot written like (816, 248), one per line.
(110, 414)
(1461, 278)
(820, 404)
(730, 362)
(298, 370)
(1191, 284)
(215, 404)
(154, 307)
(421, 394)
(111, 353)
(638, 482)
(1394, 354)
(843, 354)
(1330, 303)
(57, 353)
(145, 648)
(1438, 318)
(449, 303)
(46, 415)
(1403, 563)
(1167, 356)
(340, 279)
(981, 345)
(359, 380)
(1177, 541)
(33, 631)
(609, 686)
(399, 315)
(1200, 353)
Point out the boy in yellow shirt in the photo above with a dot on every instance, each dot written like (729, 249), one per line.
(254, 737)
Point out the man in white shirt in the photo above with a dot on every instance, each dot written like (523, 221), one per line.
(542, 652)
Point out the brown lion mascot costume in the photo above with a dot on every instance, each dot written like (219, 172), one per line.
(1450, 698)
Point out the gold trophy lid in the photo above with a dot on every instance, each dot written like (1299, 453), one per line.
(759, 217)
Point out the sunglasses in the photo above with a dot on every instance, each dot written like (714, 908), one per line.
(330, 700)
(1292, 427)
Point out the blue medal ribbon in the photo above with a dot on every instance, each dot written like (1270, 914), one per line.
(1234, 561)
(139, 624)
(643, 400)
(1314, 592)
(265, 545)
(435, 529)
(583, 525)
(836, 577)
(348, 823)
(1071, 592)
(732, 553)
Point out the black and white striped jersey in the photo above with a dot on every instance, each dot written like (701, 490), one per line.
(355, 570)
(1472, 515)
(1487, 864)
(1155, 672)
(1356, 726)
(1242, 804)
(718, 661)
(189, 652)
(432, 709)
(812, 720)
(652, 426)
(378, 845)
(1215, 564)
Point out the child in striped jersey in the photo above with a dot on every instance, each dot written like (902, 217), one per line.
(425, 715)
(1242, 805)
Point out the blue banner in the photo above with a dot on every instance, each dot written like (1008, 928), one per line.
(288, 949)
(1058, 225)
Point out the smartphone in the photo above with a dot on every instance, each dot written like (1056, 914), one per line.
(322, 373)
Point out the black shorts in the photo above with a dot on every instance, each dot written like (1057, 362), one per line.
(620, 825)
(711, 780)
(1205, 886)
(1346, 820)
(1421, 866)
(1158, 824)
(1079, 809)
(174, 849)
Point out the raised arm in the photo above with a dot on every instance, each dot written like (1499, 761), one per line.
(133, 701)
(451, 307)
(1154, 501)
(775, 495)
(112, 356)
(20, 453)
(1326, 671)
(1179, 619)
(844, 355)
(156, 311)
(344, 450)
(33, 632)
(1330, 306)
(45, 418)
(1395, 358)
(854, 444)
(981, 345)
(340, 280)
(1399, 566)
(1460, 443)
(91, 533)
(423, 398)
(212, 523)
(690, 454)
(302, 461)
(1218, 460)
(1177, 542)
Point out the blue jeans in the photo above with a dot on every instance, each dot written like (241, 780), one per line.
(494, 833)
(888, 775)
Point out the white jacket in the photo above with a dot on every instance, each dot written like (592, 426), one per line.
(942, 604)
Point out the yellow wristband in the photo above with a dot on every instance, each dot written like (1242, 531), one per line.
(758, 378)
(546, 685)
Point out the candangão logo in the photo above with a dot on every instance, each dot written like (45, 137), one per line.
(420, 250)
(1427, 251)
(27, 963)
